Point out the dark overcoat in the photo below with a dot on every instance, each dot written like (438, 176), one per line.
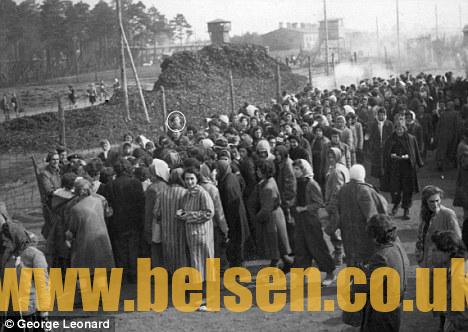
(390, 183)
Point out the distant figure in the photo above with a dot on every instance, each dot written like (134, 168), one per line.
(92, 94)
(5, 107)
(14, 103)
(102, 92)
(71, 96)
(116, 85)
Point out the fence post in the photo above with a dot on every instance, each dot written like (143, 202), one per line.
(61, 113)
(231, 91)
(278, 82)
(164, 107)
(310, 70)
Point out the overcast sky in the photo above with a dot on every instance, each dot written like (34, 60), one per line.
(416, 16)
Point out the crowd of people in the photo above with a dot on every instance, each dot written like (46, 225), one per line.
(272, 183)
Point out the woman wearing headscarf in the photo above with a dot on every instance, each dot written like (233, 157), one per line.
(221, 228)
(337, 175)
(346, 136)
(87, 231)
(231, 197)
(166, 229)
(309, 240)
(263, 150)
(159, 172)
(19, 253)
(58, 253)
(287, 185)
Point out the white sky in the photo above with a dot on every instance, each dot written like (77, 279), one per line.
(416, 16)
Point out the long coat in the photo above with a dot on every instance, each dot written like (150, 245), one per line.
(355, 204)
(389, 182)
(127, 199)
(390, 256)
(376, 146)
(461, 183)
(426, 251)
(265, 208)
(447, 135)
(91, 247)
(233, 204)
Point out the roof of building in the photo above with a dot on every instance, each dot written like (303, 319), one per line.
(219, 20)
(298, 30)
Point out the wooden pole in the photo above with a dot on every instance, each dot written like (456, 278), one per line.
(231, 91)
(398, 35)
(310, 70)
(123, 72)
(378, 36)
(278, 82)
(140, 91)
(327, 68)
(333, 68)
(163, 94)
(61, 113)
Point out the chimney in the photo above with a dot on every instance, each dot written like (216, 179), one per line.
(281, 25)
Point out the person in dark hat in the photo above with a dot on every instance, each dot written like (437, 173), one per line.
(76, 165)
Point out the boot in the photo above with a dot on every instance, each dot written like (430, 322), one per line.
(406, 215)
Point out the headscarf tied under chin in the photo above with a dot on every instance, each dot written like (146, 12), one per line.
(307, 170)
(223, 169)
(337, 153)
(160, 169)
(205, 174)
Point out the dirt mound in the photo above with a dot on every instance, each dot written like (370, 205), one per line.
(196, 83)
(193, 70)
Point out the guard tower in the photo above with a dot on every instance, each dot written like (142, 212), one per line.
(219, 31)
(465, 36)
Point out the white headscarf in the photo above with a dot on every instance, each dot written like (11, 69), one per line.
(357, 172)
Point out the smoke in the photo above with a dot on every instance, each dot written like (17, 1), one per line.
(347, 74)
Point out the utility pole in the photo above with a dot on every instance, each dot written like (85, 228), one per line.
(460, 16)
(378, 35)
(327, 68)
(398, 35)
(123, 72)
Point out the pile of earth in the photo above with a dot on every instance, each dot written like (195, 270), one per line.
(196, 83)
(84, 128)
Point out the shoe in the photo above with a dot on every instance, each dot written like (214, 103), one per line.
(329, 279)
(406, 215)
(289, 258)
(202, 308)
